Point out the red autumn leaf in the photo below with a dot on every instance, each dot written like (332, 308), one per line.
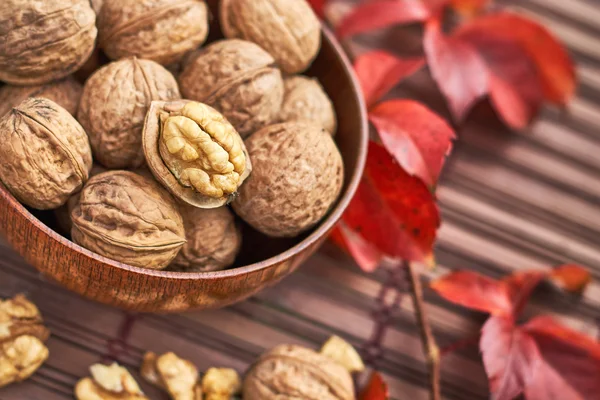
(554, 66)
(379, 71)
(545, 330)
(469, 8)
(520, 285)
(367, 256)
(457, 67)
(570, 277)
(474, 291)
(377, 389)
(318, 6)
(418, 138)
(393, 210)
(376, 14)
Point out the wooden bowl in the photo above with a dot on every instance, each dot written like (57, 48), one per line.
(263, 261)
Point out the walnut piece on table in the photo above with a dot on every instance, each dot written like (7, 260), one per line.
(176, 376)
(343, 353)
(112, 382)
(19, 316)
(220, 384)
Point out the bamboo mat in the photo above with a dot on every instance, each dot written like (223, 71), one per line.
(510, 201)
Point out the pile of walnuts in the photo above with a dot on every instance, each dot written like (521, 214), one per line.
(141, 161)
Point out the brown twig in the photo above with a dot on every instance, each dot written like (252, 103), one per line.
(430, 347)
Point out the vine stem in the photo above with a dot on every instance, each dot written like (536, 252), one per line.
(430, 347)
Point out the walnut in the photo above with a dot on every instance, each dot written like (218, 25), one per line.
(195, 152)
(46, 156)
(220, 384)
(114, 104)
(41, 41)
(297, 177)
(19, 316)
(213, 240)
(306, 101)
(239, 79)
(289, 371)
(20, 358)
(158, 30)
(65, 93)
(288, 30)
(128, 218)
(177, 376)
(108, 383)
(343, 353)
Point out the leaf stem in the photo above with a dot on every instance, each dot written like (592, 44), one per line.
(430, 347)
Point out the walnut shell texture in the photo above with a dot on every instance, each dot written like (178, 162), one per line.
(128, 218)
(239, 79)
(114, 104)
(305, 100)
(41, 40)
(297, 176)
(65, 92)
(45, 153)
(158, 30)
(213, 240)
(289, 371)
(289, 30)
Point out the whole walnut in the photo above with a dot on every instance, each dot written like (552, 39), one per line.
(306, 101)
(195, 152)
(65, 92)
(213, 240)
(290, 371)
(113, 107)
(297, 176)
(289, 30)
(128, 218)
(41, 41)
(239, 79)
(45, 153)
(159, 30)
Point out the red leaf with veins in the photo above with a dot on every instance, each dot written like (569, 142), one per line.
(475, 291)
(379, 71)
(392, 210)
(417, 137)
(376, 14)
(554, 66)
(377, 389)
(458, 69)
(367, 256)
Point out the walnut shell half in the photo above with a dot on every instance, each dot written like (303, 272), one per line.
(289, 371)
(195, 152)
(45, 153)
(289, 30)
(129, 218)
(298, 175)
(239, 79)
(158, 30)
(41, 41)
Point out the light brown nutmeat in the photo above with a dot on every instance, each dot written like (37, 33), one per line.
(159, 30)
(41, 41)
(65, 92)
(213, 240)
(239, 79)
(220, 384)
(343, 353)
(297, 372)
(288, 30)
(111, 382)
(20, 358)
(19, 316)
(128, 218)
(297, 177)
(114, 104)
(305, 100)
(178, 377)
(195, 152)
(46, 153)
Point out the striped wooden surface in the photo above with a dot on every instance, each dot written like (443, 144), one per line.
(510, 201)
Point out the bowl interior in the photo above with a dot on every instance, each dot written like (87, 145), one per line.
(333, 71)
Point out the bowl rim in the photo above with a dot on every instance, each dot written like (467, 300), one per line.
(321, 230)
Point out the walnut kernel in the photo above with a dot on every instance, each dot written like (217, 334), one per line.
(220, 384)
(177, 376)
(46, 154)
(19, 316)
(343, 353)
(306, 101)
(20, 358)
(195, 152)
(108, 383)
